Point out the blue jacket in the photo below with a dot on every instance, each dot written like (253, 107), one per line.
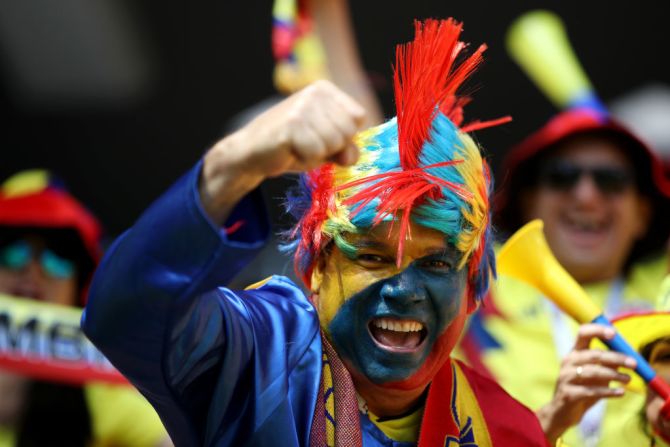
(220, 367)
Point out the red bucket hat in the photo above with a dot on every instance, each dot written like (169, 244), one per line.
(35, 201)
(523, 159)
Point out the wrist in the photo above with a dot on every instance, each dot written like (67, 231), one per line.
(551, 425)
(225, 178)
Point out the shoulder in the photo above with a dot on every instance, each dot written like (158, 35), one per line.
(277, 302)
(506, 418)
(279, 291)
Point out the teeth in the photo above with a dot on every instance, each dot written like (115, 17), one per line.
(398, 325)
(586, 224)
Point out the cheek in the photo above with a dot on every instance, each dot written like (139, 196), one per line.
(652, 408)
(439, 354)
(62, 292)
(653, 415)
(449, 298)
(338, 286)
(447, 339)
(631, 217)
(541, 205)
(6, 280)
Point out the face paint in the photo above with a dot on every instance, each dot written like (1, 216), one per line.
(394, 326)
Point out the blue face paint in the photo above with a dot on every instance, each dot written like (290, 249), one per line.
(426, 292)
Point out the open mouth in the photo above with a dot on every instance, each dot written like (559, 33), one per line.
(586, 225)
(397, 335)
(586, 231)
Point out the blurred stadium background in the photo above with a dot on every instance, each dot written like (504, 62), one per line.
(120, 97)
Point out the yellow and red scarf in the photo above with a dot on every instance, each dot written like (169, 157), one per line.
(463, 408)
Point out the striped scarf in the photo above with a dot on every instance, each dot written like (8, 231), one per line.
(335, 422)
(453, 413)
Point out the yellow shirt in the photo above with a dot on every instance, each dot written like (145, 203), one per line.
(6, 437)
(120, 417)
(664, 296)
(403, 429)
(527, 362)
(406, 429)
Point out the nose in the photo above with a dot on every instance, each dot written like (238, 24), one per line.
(403, 289)
(33, 269)
(586, 191)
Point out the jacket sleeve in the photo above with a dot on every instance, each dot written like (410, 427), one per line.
(156, 311)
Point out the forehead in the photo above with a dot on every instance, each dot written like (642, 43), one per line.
(593, 149)
(33, 238)
(385, 236)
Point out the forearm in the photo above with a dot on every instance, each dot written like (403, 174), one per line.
(226, 177)
(335, 28)
(178, 250)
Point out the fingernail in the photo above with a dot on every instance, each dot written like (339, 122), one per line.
(352, 155)
(630, 362)
(609, 332)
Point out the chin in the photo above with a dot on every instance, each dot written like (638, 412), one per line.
(429, 368)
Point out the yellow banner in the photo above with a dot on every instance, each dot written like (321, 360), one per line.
(44, 341)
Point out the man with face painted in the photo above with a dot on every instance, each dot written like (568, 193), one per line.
(392, 240)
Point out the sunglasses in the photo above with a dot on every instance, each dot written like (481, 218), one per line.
(17, 255)
(563, 176)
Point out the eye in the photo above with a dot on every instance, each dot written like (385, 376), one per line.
(371, 259)
(438, 265)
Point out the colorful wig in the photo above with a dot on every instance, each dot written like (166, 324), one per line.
(421, 165)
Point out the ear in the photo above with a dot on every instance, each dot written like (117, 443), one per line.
(316, 278)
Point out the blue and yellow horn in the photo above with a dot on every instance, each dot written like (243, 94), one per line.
(527, 257)
(539, 43)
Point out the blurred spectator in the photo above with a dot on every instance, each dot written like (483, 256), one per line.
(605, 206)
(49, 247)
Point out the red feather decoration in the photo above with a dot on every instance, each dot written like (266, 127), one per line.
(323, 201)
(425, 82)
(426, 79)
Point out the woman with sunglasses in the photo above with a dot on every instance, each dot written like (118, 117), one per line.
(606, 212)
(49, 247)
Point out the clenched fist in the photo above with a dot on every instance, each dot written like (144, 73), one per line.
(310, 128)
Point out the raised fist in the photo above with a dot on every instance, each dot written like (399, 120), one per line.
(309, 128)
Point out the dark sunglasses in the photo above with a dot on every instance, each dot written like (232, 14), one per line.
(17, 255)
(564, 176)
